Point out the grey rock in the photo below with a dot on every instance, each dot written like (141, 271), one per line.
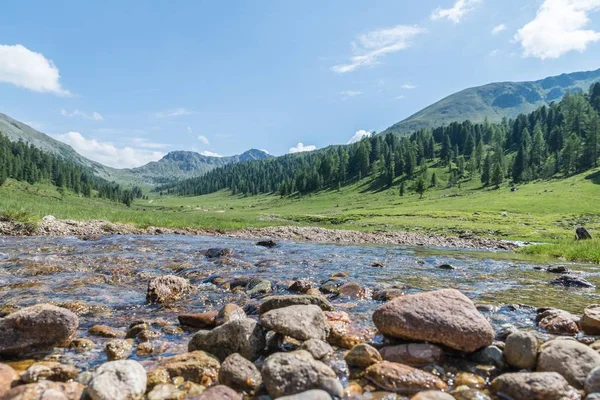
(315, 394)
(118, 380)
(50, 371)
(244, 336)
(572, 281)
(534, 386)
(317, 348)
(258, 286)
(273, 302)
(219, 392)
(240, 374)
(521, 350)
(300, 322)
(229, 312)
(592, 381)
(569, 358)
(118, 349)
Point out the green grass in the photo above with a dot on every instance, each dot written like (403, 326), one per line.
(547, 211)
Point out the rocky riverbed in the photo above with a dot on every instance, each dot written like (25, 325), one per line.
(201, 317)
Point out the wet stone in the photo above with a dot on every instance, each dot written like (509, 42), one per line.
(46, 390)
(167, 288)
(200, 321)
(51, 371)
(300, 322)
(362, 356)
(229, 312)
(106, 331)
(196, 366)
(572, 281)
(558, 322)
(301, 286)
(124, 380)
(81, 345)
(273, 302)
(534, 386)
(402, 379)
(118, 349)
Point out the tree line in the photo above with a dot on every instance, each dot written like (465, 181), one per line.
(24, 162)
(560, 139)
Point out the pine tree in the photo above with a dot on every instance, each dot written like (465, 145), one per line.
(433, 180)
(497, 175)
(420, 186)
(486, 170)
(402, 189)
(3, 175)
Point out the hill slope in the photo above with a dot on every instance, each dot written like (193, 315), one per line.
(495, 101)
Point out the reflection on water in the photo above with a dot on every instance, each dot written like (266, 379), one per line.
(109, 278)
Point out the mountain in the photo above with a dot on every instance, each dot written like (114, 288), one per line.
(495, 101)
(178, 165)
(172, 167)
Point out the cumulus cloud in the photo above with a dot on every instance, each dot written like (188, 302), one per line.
(210, 154)
(174, 112)
(107, 153)
(76, 113)
(558, 28)
(203, 140)
(455, 13)
(349, 93)
(498, 28)
(30, 70)
(370, 47)
(300, 147)
(359, 135)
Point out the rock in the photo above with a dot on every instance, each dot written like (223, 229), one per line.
(81, 345)
(569, 358)
(592, 381)
(46, 390)
(447, 266)
(196, 366)
(352, 290)
(432, 395)
(582, 234)
(229, 312)
(240, 374)
(590, 322)
(402, 379)
(136, 328)
(267, 243)
(465, 393)
(218, 252)
(219, 392)
(558, 322)
(39, 327)
(445, 316)
(8, 376)
(300, 322)
(273, 302)
(258, 286)
(244, 336)
(287, 374)
(118, 349)
(521, 350)
(118, 380)
(165, 392)
(490, 355)
(49, 371)
(200, 321)
(387, 294)
(105, 331)
(414, 354)
(572, 281)
(362, 356)
(317, 348)
(377, 264)
(558, 269)
(469, 380)
(301, 286)
(533, 386)
(167, 288)
(341, 334)
(315, 394)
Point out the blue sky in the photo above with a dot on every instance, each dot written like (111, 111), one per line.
(124, 82)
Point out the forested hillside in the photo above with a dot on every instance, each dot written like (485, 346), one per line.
(560, 139)
(25, 162)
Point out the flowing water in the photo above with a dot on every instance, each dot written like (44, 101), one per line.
(106, 280)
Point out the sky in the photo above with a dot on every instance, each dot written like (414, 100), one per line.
(125, 82)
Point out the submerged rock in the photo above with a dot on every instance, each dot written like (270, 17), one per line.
(218, 252)
(534, 386)
(118, 380)
(167, 288)
(300, 322)
(39, 327)
(267, 243)
(273, 302)
(569, 358)
(244, 336)
(445, 316)
(572, 281)
(402, 379)
(118, 349)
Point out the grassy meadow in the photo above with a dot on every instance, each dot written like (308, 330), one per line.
(545, 212)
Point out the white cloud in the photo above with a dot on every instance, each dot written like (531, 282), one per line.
(210, 154)
(30, 70)
(408, 86)
(558, 28)
(265, 151)
(373, 45)
(350, 93)
(300, 147)
(174, 112)
(359, 135)
(76, 113)
(107, 153)
(203, 139)
(457, 12)
(498, 28)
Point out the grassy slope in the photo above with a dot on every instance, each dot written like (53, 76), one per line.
(545, 211)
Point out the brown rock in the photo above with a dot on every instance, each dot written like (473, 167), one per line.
(469, 380)
(8, 376)
(167, 288)
(301, 286)
(387, 294)
(300, 322)
(229, 312)
(533, 386)
(46, 390)
(403, 379)
(196, 366)
(558, 322)
(118, 349)
(414, 354)
(81, 345)
(341, 334)
(200, 321)
(106, 331)
(50, 371)
(352, 290)
(362, 356)
(219, 392)
(590, 322)
(432, 395)
(445, 316)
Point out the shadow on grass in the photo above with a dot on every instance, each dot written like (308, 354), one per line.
(594, 177)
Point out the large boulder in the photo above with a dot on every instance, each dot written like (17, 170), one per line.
(243, 336)
(520, 350)
(590, 322)
(286, 374)
(167, 288)
(39, 327)
(240, 374)
(46, 390)
(569, 358)
(196, 366)
(118, 380)
(533, 386)
(273, 302)
(444, 316)
(400, 378)
(299, 322)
